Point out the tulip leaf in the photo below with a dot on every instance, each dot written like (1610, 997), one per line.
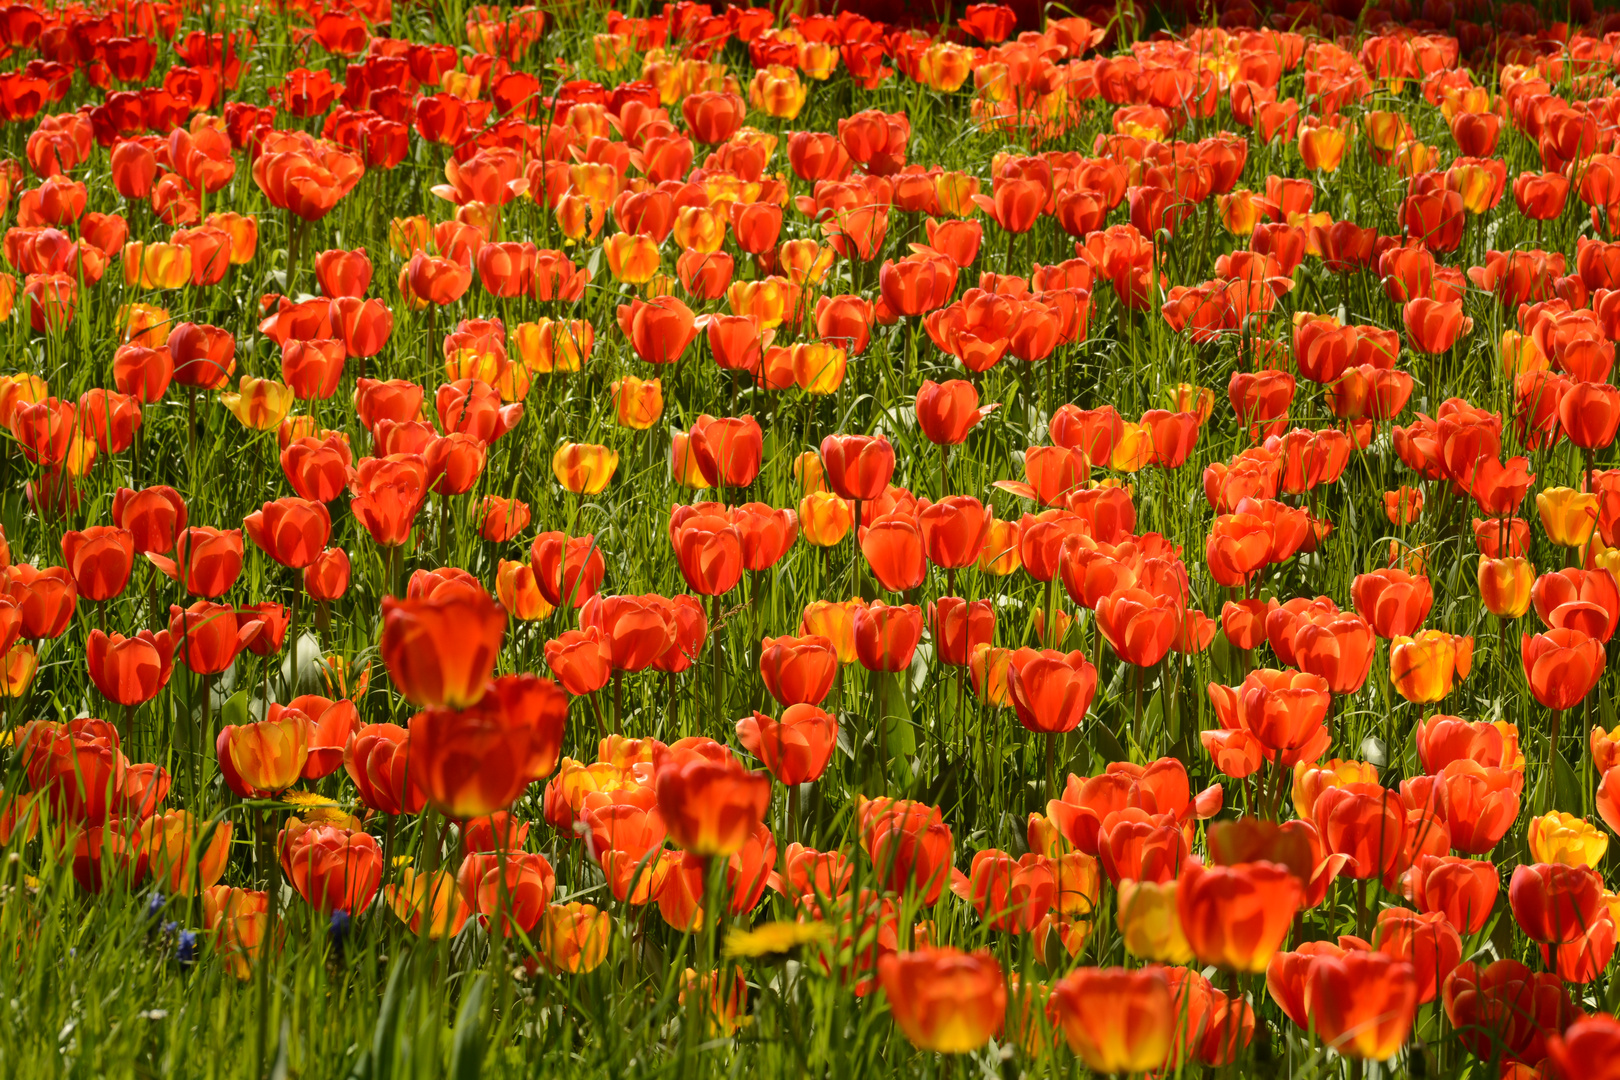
(1106, 744)
(235, 709)
(467, 1045)
(1566, 785)
(387, 1029)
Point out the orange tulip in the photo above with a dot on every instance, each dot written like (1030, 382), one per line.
(795, 749)
(1236, 917)
(1115, 1020)
(711, 807)
(1362, 1003)
(1561, 665)
(474, 761)
(944, 1000)
(441, 650)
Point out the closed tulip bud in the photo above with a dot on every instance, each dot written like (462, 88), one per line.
(1001, 555)
(959, 627)
(886, 636)
(945, 1001)
(798, 670)
(1150, 923)
(291, 531)
(988, 666)
(1568, 516)
(517, 592)
(1561, 665)
(130, 671)
(100, 559)
(209, 635)
(1050, 690)
(1504, 585)
(327, 577)
(1555, 903)
(566, 569)
(631, 257)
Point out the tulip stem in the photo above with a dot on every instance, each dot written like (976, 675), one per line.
(792, 812)
(618, 702)
(717, 686)
(1051, 765)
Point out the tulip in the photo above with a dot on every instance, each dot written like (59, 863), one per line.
(636, 630)
(574, 937)
(886, 636)
(333, 869)
(1557, 837)
(1365, 822)
(472, 762)
(711, 807)
(858, 467)
(208, 634)
(293, 532)
(894, 549)
(947, 413)
(1236, 917)
(1504, 585)
(1394, 602)
(1150, 923)
(1115, 1020)
(264, 757)
(637, 403)
(1555, 903)
(1139, 626)
(1362, 1003)
(440, 651)
(1567, 516)
(798, 670)
(795, 749)
(208, 561)
(581, 660)
(944, 1000)
(1051, 691)
(564, 566)
(1463, 890)
(1561, 666)
(130, 671)
(958, 627)
(260, 404)
(100, 559)
(1422, 667)
(184, 857)
(584, 468)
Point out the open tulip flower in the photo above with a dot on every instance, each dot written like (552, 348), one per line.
(521, 524)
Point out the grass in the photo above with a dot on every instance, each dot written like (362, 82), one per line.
(123, 983)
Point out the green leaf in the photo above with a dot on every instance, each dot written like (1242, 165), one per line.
(383, 1037)
(235, 709)
(1566, 785)
(1106, 744)
(467, 1046)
